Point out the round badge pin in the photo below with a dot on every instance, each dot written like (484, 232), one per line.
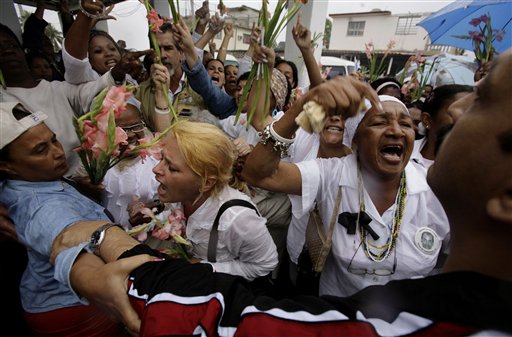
(427, 240)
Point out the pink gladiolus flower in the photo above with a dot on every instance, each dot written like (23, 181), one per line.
(484, 19)
(177, 216)
(95, 140)
(147, 212)
(499, 34)
(154, 151)
(102, 121)
(162, 233)
(141, 237)
(391, 44)
(476, 36)
(121, 138)
(116, 100)
(368, 50)
(475, 22)
(155, 22)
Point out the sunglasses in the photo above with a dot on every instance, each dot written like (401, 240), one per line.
(139, 127)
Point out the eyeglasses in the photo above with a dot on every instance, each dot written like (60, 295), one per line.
(139, 127)
(377, 272)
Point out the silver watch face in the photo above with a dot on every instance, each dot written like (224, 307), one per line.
(95, 238)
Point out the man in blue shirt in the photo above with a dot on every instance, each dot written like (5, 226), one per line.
(42, 204)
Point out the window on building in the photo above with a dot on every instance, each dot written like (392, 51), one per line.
(247, 38)
(407, 25)
(355, 28)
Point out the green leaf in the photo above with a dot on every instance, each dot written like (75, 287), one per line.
(245, 92)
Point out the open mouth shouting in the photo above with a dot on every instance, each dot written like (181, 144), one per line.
(216, 80)
(392, 153)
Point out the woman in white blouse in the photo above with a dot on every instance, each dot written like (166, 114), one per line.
(195, 171)
(377, 183)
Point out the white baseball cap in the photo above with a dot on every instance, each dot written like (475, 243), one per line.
(11, 127)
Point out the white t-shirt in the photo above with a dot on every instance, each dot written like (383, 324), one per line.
(423, 214)
(60, 101)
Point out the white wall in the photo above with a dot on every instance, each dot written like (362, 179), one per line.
(379, 29)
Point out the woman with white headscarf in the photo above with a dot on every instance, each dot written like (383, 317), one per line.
(390, 225)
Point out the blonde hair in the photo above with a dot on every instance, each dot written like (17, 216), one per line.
(207, 151)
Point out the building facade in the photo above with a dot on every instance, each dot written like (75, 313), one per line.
(351, 31)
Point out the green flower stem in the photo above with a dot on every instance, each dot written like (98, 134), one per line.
(270, 30)
(245, 92)
(2, 80)
(156, 47)
(174, 12)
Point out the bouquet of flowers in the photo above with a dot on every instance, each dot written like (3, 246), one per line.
(154, 23)
(375, 71)
(168, 225)
(271, 27)
(483, 38)
(102, 143)
(419, 78)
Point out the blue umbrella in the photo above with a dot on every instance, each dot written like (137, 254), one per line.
(453, 20)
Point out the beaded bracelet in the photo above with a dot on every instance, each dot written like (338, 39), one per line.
(86, 13)
(280, 143)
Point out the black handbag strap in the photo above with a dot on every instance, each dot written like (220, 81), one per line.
(214, 233)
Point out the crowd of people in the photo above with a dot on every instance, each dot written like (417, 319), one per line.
(415, 196)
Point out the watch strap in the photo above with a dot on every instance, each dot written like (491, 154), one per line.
(98, 236)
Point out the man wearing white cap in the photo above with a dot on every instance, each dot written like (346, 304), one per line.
(60, 100)
(41, 204)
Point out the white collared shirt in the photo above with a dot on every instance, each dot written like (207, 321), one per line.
(244, 248)
(422, 212)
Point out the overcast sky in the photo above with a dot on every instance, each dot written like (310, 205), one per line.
(131, 25)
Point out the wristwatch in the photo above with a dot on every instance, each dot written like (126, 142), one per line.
(98, 236)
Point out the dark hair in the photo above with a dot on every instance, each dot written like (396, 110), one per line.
(210, 60)
(443, 95)
(292, 65)
(36, 54)
(95, 32)
(9, 32)
(230, 65)
(166, 27)
(375, 84)
(415, 104)
(243, 77)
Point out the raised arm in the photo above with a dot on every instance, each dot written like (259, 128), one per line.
(216, 25)
(77, 38)
(219, 103)
(302, 37)
(65, 15)
(223, 50)
(340, 96)
(33, 30)
(203, 16)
